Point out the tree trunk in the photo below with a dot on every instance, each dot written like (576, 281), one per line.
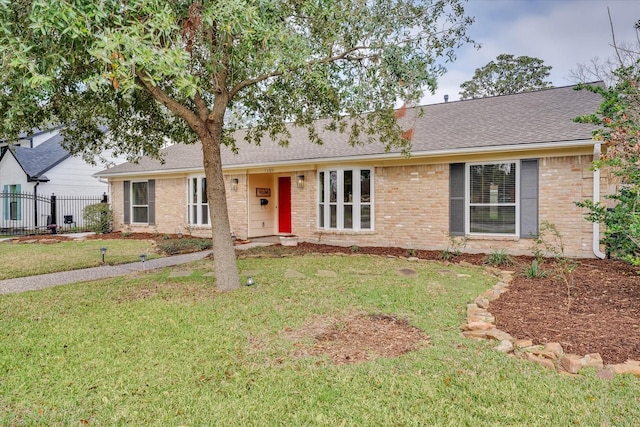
(224, 255)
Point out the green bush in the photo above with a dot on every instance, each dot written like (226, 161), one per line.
(98, 217)
(183, 246)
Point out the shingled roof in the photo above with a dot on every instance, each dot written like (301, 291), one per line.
(38, 160)
(520, 120)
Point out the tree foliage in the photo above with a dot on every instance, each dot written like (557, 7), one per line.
(618, 119)
(507, 75)
(185, 70)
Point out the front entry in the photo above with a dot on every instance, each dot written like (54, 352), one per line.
(284, 204)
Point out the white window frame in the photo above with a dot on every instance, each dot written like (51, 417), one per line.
(198, 204)
(356, 203)
(134, 206)
(468, 203)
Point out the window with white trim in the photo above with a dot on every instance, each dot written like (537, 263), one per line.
(198, 201)
(492, 198)
(345, 199)
(140, 202)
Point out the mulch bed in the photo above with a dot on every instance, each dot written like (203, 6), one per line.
(599, 313)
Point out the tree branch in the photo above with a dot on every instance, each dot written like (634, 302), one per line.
(201, 106)
(613, 37)
(160, 95)
(327, 60)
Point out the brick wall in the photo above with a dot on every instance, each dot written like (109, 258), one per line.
(411, 208)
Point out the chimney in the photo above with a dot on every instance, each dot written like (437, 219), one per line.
(446, 98)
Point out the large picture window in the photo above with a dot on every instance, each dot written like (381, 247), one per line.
(492, 194)
(345, 199)
(198, 202)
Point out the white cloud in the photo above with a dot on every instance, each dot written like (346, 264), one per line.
(562, 33)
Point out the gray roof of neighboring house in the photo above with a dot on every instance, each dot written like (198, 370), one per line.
(38, 160)
(530, 118)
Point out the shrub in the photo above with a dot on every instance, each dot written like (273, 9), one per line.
(98, 217)
(182, 246)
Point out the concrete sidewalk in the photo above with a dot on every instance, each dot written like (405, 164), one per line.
(34, 283)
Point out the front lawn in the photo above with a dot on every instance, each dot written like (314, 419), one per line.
(28, 259)
(159, 349)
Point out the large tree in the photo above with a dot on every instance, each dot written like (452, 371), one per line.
(183, 70)
(507, 75)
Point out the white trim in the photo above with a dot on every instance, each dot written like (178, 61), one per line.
(467, 201)
(356, 203)
(596, 199)
(199, 204)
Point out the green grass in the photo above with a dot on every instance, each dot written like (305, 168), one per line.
(159, 351)
(19, 260)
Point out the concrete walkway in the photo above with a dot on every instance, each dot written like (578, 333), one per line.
(33, 283)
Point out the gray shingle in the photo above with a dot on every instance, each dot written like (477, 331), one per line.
(38, 160)
(539, 117)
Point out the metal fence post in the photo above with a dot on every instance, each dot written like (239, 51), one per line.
(54, 213)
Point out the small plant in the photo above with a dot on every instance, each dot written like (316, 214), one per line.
(456, 245)
(548, 241)
(355, 248)
(412, 252)
(447, 255)
(534, 271)
(189, 229)
(126, 234)
(499, 257)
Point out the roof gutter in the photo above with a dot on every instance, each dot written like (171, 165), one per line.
(596, 198)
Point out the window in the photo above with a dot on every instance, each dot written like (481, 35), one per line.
(12, 209)
(492, 207)
(198, 202)
(345, 199)
(499, 198)
(492, 198)
(140, 201)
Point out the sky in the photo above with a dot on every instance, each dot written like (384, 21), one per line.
(562, 33)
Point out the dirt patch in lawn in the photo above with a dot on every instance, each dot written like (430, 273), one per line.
(358, 337)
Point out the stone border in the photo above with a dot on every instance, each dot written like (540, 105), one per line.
(480, 324)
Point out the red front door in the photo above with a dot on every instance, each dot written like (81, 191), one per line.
(284, 204)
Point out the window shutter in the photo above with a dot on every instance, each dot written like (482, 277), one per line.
(5, 203)
(456, 199)
(151, 188)
(19, 202)
(127, 201)
(528, 198)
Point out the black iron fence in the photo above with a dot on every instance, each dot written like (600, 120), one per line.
(24, 213)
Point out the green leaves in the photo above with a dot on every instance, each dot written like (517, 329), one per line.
(506, 76)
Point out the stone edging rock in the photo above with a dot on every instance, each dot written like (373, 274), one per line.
(480, 324)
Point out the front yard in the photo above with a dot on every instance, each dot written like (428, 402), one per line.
(164, 348)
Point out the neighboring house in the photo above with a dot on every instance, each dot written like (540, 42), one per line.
(487, 170)
(38, 165)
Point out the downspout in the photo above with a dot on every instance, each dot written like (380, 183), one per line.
(596, 198)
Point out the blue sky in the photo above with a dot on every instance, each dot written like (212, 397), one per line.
(562, 33)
